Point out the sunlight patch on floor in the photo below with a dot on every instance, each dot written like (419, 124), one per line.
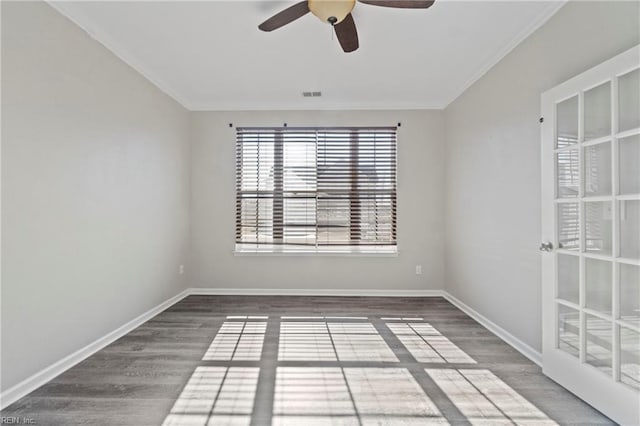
(322, 341)
(402, 319)
(237, 317)
(216, 396)
(485, 399)
(351, 396)
(237, 341)
(427, 344)
(375, 392)
(322, 317)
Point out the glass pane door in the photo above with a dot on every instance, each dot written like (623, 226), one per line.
(590, 137)
(597, 227)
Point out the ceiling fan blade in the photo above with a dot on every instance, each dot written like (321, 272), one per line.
(288, 15)
(400, 4)
(347, 34)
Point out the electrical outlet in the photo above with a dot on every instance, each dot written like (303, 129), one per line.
(418, 269)
(181, 269)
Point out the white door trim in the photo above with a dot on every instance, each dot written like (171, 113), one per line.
(616, 400)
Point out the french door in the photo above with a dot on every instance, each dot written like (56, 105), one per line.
(591, 236)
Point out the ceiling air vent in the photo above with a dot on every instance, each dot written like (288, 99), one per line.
(311, 94)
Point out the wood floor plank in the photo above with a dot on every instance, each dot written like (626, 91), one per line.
(151, 373)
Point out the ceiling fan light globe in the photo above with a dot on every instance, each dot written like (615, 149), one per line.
(325, 10)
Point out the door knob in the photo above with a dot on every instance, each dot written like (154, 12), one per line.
(548, 246)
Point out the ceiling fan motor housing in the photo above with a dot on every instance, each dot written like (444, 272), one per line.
(331, 11)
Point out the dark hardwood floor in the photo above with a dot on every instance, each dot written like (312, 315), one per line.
(217, 360)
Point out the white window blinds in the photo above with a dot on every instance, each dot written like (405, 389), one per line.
(316, 186)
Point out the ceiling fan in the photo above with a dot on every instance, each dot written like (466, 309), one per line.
(338, 14)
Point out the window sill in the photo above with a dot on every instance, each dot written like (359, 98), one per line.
(374, 251)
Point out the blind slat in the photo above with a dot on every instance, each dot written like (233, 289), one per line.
(316, 186)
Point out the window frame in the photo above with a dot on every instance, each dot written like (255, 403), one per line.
(279, 248)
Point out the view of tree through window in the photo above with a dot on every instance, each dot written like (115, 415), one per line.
(316, 187)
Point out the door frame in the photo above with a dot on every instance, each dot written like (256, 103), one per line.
(618, 401)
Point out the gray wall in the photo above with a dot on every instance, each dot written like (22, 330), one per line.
(420, 212)
(492, 182)
(95, 191)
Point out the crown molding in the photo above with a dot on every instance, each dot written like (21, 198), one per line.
(533, 26)
(206, 107)
(120, 52)
(124, 55)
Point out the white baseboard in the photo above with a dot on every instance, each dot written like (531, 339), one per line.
(509, 338)
(313, 292)
(28, 385)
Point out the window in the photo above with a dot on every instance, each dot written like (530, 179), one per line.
(316, 189)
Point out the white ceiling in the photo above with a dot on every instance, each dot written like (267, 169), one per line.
(210, 55)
